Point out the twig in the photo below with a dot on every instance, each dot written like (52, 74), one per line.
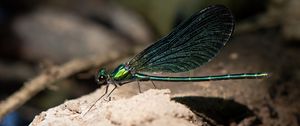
(48, 77)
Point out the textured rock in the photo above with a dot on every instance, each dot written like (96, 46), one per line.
(151, 108)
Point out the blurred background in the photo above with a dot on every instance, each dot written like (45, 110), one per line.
(35, 35)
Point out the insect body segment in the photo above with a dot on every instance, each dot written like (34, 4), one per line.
(121, 73)
(202, 78)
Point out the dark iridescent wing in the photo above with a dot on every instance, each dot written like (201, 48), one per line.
(190, 45)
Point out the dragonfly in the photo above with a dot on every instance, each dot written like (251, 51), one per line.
(191, 44)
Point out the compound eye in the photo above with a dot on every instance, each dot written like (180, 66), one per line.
(101, 79)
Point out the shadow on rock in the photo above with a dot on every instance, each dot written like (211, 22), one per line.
(219, 110)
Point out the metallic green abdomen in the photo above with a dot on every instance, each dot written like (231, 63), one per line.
(203, 78)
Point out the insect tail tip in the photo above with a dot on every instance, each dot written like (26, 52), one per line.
(265, 74)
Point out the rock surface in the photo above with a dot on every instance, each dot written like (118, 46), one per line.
(151, 108)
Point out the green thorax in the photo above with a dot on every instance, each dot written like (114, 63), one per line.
(121, 73)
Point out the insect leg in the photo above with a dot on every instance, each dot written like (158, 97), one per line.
(112, 90)
(139, 86)
(153, 84)
(106, 90)
(116, 85)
